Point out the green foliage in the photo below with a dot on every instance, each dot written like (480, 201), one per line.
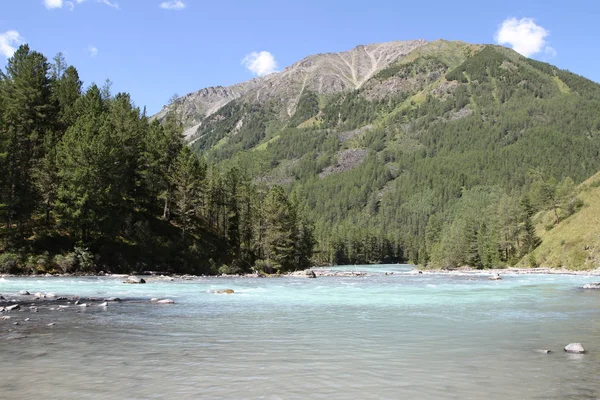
(91, 184)
(451, 155)
(9, 263)
(308, 107)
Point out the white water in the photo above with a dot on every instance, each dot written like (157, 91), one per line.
(380, 336)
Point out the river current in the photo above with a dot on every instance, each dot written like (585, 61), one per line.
(400, 336)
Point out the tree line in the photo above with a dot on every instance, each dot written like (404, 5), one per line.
(89, 182)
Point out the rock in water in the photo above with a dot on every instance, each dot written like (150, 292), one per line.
(134, 280)
(495, 277)
(543, 351)
(308, 273)
(595, 285)
(24, 293)
(103, 304)
(12, 308)
(4, 318)
(575, 348)
(39, 295)
(166, 301)
(112, 299)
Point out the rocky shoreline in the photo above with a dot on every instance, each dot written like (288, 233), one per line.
(325, 272)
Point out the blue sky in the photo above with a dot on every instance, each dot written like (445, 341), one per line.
(153, 52)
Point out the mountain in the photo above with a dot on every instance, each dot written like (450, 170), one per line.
(321, 74)
(415, 150)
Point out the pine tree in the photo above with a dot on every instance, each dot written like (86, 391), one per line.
(26, 109)
(280, 230)
(188, 177)
(530, 239)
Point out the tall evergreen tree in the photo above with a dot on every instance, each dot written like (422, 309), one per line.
(26, 109)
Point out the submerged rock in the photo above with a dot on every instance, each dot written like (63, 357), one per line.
(595, 285)
(543, 351)
(495, 277)
(165, 301)
(103, 304)
(575, 348)
(221, 291)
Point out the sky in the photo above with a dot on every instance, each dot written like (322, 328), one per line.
(154, 49)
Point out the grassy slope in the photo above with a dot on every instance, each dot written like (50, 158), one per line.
(575, 242)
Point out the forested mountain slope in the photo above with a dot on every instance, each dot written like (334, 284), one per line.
(431, 158)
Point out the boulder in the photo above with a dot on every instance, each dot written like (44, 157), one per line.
(543, 351)
(51, 295)
(39, 295)
(154, 299)
(134, 280)
(4, 318)
(308, 273)
(12, 308)
(112, 299)
(575, 348)
(24, 293)
(595, 285)
(165, 301)
(103, 304)
(83, 305)
(51, 324)
(495, 277)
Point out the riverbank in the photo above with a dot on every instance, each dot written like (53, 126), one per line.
(357, 271)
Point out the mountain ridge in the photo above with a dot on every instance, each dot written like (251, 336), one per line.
(323, 73)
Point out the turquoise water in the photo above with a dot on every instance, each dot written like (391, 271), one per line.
(380, 336)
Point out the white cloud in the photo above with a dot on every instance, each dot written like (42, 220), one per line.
(108, 3)
(260, 63)
(9, 42)
(173, 5)
(53, 3)
(524, 36)
(71, 5)
(93, 51)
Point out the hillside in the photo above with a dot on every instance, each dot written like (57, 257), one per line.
(575, 242)
(425, 155)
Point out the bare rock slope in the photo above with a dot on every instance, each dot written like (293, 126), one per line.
(322, 73)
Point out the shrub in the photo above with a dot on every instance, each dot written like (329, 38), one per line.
(66, 263)
(9, 263)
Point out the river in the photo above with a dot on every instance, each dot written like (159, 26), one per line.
(430, 336)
